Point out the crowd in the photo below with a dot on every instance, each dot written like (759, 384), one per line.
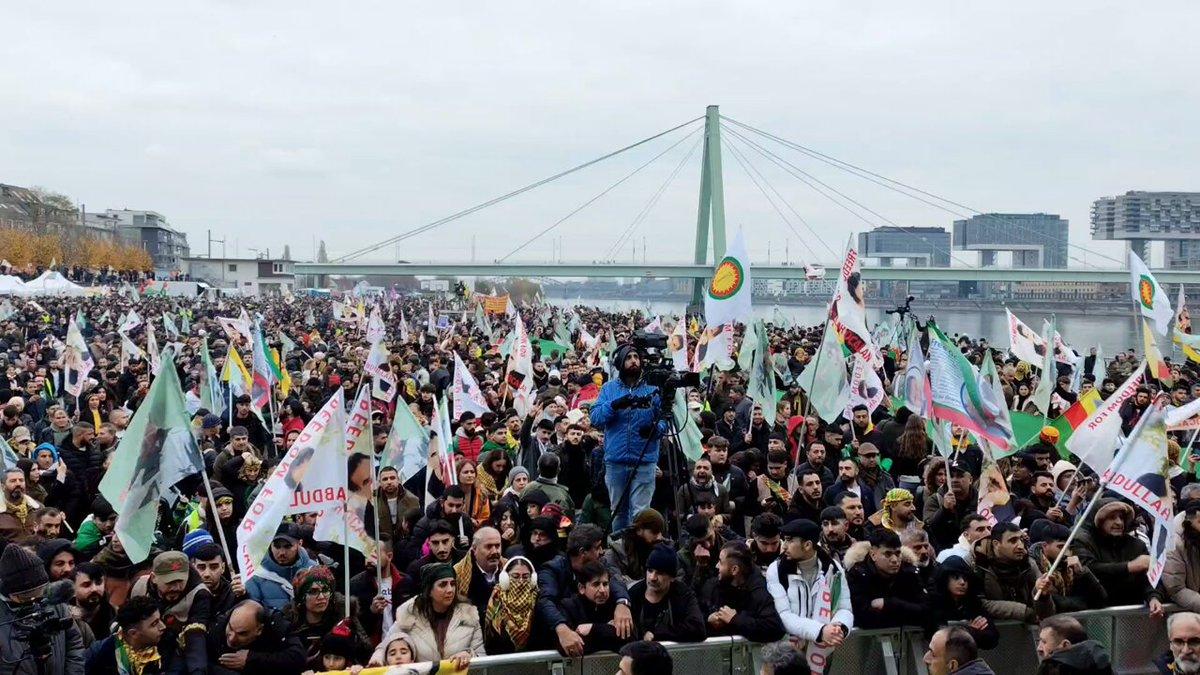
(577, 519)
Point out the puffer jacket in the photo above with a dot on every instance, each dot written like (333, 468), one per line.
(271, 593)
(1181, 573)
(623, 443)
(756, 620)
(798, 602)
(464, 633)
(1108, 557)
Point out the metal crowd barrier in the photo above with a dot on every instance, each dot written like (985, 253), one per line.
(1132, 638)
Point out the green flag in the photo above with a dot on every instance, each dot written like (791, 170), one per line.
(762, 373)
(824, 379)
(550, 348)
(1046, 381)
(407, 444)
(689, 434)
(210, 392)
(157, 451)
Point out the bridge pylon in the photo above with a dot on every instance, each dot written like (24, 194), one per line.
(710, 215)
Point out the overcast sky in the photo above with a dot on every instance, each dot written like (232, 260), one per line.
(279, 123)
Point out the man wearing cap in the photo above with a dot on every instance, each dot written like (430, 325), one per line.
(663, 607)
(810, 590)
(945, 509)
(285, 559)
(23, 580)
(1109, 546)
(22, 441)
(185, 604)
(627, 413)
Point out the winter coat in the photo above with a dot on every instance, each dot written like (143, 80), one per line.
(1085, 592)
(946, 608)
(194, 608)
(1181, 573)
(1108, 557)
(905, 602)
(756, 618)
(623, 442)
(556, 583)
(1008, 590)
(942, 524)
(66, 648)
(271, 593)
(797, 603)
(464, 633)
(1088, 657)
(679, 621)
(273, 651)
(102, 659)
(603, 636)
(555, 492)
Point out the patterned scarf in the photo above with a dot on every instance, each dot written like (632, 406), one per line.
(132, 661)
(486, 485)
(510, 612)
(781, 495)
(20, 509)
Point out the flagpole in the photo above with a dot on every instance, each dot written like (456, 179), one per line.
(1082, 515)
(376, 510)
(817, 361)
(212, 505)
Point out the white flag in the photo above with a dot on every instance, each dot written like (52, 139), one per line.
(727, 298)
(1150, 298)
(1095, 441)
(677, 345)
(1023, 342)
(466, 392)
(375, 329)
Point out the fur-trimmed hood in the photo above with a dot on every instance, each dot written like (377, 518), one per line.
(860, 551)
(1107, 508)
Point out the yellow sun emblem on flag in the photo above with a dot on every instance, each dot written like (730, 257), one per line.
(727, 280)
(1146, 292)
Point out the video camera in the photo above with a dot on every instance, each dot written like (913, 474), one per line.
(36, 623)
(657, 369)
(901, 310)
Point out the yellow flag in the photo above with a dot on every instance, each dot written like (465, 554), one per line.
(285, 378)
(1154, 358)
(235, 371)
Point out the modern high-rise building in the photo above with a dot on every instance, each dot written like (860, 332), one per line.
(920, 246)
(1035, 239)
(1141, 217)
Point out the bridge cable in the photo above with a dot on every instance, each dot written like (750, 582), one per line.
(805, 177)
(895, 186)
(749, 167)
(737, 155)
(466, 212)
(598, 196)
(649, 206)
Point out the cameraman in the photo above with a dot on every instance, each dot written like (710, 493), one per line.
(35, 638)
(627, 411)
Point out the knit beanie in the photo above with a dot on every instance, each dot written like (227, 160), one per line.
(192, 541)
(662, 559)
(649, 519)
(517, 471)
(21, 571)
(313, 576)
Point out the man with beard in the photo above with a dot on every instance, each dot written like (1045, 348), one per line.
(574, 455)
(91, 604)
(884, 588)
(626, 412)
(857, 525)
(393, 502)
(1108, 545)
(806, 501)
(835, 535)
(1183, 635)
(870, 474)
(467, 440)
(1011, 579)
(664, 608)
(915, 544)
(698, 551)
(185, 604)
(450, 508)
(245, 418)
(83, 467)
(732, 481)
(478, 571)
(861, 427)
(1044, 497)
(898, 512)
(945, 510)
(771, 488)
(557, 582)
(106, 437)
(849, 482)
(764, 539)
(441, 550)
(209, 563)
(736, 601)
(629, 552)
(285, 559)
(47, 522)
(815, 460)
(974, 528)
(1183, 561)
(59, 558)
(1133, 408)
(16, 502)
(1064, 647)
(375, 607)
(701, 483)
(796, 582)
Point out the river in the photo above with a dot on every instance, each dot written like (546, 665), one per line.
(1113, 333)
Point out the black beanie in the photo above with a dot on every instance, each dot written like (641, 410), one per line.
(21, 571)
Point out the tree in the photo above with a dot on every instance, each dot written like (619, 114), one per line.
(47, 207)
(322, 257)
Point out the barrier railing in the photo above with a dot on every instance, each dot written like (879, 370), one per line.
(1132, 638)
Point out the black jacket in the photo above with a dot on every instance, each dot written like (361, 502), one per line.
(556, 583)
(905, 602)
(756, 618)
(679, 621)
(272, 652)
(602, 637)
(1088, 657)
(946, 608)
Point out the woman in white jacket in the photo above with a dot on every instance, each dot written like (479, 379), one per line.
(439, 626)
(810, 592)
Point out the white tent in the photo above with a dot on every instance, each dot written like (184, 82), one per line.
(52, 283)
(10, 285)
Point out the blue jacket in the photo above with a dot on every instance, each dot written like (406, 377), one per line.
(556, 582)
(622, 443)
(269, 592)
